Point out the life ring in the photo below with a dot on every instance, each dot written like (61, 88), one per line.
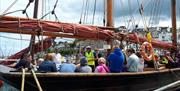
(147, 46)
(1, 83)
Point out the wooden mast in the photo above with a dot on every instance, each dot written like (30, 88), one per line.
(174, 33)
(109, 13)
(32, 42)
(109, 18)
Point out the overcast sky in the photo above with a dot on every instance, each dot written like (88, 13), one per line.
(126, 13)
(124, 10)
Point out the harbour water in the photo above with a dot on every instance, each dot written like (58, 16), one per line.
(7, 87)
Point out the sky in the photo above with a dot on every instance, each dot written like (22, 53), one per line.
(125, 13)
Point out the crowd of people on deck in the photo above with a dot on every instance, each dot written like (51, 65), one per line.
(94, 61)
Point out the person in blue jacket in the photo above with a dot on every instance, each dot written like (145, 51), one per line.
(116, 60)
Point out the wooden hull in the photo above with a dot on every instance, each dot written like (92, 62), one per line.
(144, 81)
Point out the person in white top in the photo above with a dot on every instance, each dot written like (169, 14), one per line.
(141, 62)
(57, 58)
(132, 61)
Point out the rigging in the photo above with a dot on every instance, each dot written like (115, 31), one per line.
(80, 21)
(86, 12)
(94, 12)
(9, 7)
(23, 10)
(52, 12)
(130, 11)
(123, 8)
(141, 11)
(104, 14)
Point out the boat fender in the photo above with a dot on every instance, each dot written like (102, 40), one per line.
(147, 46)
(1, 83)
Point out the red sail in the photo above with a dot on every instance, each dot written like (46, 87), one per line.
(37, 48)
(59, 29)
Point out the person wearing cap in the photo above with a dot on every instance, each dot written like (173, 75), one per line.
(84, 68)
(90, 57)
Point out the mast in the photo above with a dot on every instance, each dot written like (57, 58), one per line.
(109, 16)
(32, 42)
(174, 33)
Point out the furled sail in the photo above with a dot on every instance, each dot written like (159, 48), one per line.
(69, 30)
(50, 28)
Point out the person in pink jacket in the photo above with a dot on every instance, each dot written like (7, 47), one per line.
(102, 68)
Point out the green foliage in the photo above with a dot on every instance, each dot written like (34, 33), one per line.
(72, 45)
(68, 52)
(50, 50)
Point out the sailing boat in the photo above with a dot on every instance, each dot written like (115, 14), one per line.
(149, 80)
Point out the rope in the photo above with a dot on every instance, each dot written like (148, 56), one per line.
(9, 7)
(123, 8)
(11, 12)
(94, 12)
(23, 11)
(48, 4)
(41, 33)
(30, 1)
(141, 11)
(132, 17)
(43, 5)
(36, 79)
(52, 12)
(160, 9)
(19, 25)
(14, 38)
(23, 79)
(151, 12)
(85, 11)
(81, 13)
(154, 12)
(104, 14)
(137, 10)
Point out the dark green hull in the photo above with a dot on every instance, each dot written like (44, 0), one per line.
(144, 81)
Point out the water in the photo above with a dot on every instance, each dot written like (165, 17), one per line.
(7, 87)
